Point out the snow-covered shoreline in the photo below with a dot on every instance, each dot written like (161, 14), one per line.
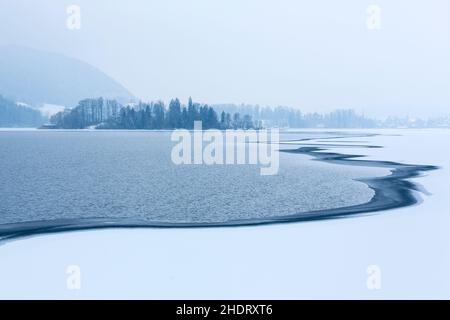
(326, 259)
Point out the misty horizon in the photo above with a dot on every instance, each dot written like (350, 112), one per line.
(306, 56)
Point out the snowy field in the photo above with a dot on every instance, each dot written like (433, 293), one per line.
(323, 259)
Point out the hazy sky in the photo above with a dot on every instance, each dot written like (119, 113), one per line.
(313, 55)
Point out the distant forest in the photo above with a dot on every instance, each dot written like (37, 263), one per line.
(285, 117)
(109, 114)
(14, 115)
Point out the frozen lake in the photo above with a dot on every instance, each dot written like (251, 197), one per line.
(129, 176)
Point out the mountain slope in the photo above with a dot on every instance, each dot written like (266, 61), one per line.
(13, 115)
(36, 77)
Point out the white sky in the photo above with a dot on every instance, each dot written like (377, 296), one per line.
(315, 55)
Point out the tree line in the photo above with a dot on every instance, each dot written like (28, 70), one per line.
(286, 117)
(109, 114)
